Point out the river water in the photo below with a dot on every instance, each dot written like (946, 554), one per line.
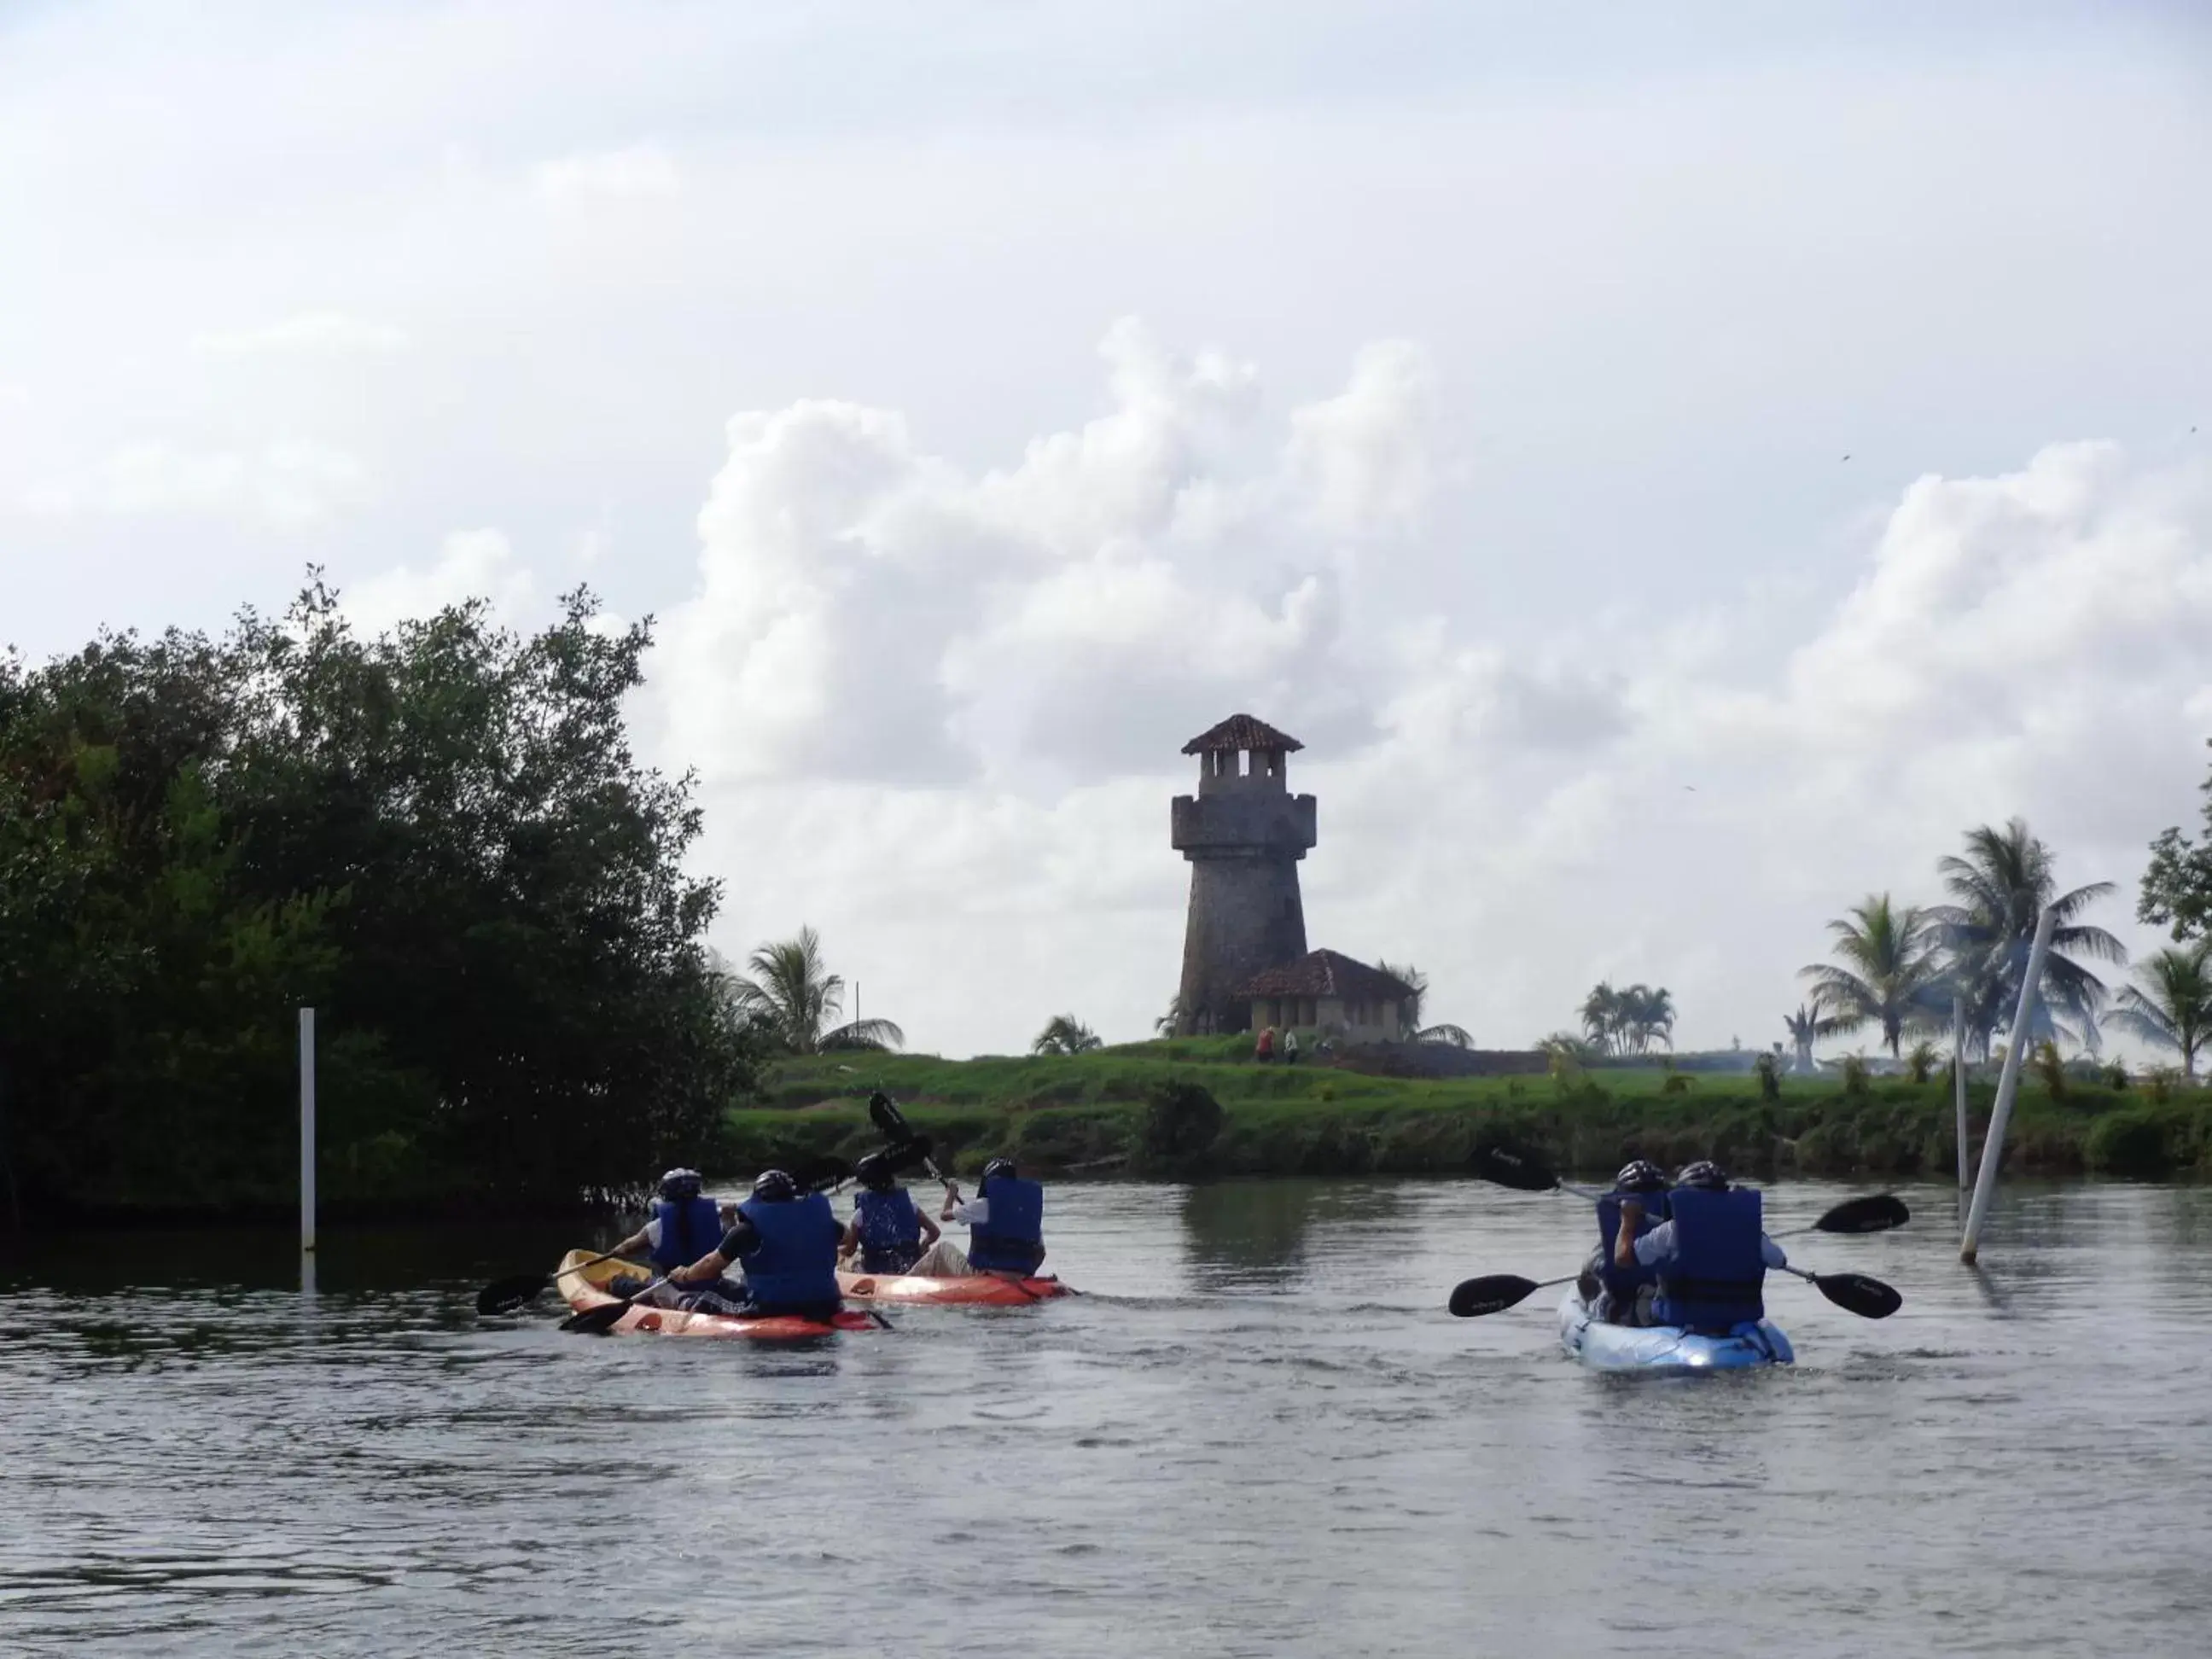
(1259, 1434)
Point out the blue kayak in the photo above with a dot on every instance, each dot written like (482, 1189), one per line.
(1668, 1347)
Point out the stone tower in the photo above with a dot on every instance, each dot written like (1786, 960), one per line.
(1243, 833)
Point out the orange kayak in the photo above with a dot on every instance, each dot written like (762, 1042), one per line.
(982, 1290)
(586, 1287)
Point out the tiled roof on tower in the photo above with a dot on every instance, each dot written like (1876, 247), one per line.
(1241, 732)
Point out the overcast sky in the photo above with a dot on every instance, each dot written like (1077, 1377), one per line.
(1676, 468)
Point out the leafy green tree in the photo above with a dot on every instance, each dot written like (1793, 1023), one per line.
(437, 836)
(2000, 888)
(1647, 1017)
(1804, 1026)
(1064, 1034)
(2177, 886)
(794, 1000)
(2169, 1004)
(1888, 972)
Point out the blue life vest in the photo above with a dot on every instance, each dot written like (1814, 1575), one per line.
(1713, 1283)
(689, 1230)
(795, 1263)
(1012, 1240)
(1625, 1282)
(891, 1230)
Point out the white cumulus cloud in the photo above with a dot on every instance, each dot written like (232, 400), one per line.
(470, 564)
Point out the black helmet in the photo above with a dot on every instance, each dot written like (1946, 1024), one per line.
(875, 1173)
(679, 1184)
(1705, 1175)
(993, 1169)
(1640, 1175)
(776, 1187)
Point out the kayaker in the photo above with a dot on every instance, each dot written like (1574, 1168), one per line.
(1006, 1221)
(787, 1243)
(887, 1231)
(1710, 1254)
(684, 1227)
(1619, 1295)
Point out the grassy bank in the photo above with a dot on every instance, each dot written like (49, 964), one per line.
(1086, 1115)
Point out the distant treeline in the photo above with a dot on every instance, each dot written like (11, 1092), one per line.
(437, 836)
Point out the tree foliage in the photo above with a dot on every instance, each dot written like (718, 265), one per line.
(794, 1003)
(437, 836)
(1409, 1011)
(1064, 1034)
(2169, 1004)
(1888, 972)
(1628, 1020)
(2000, 888)
(2177, 886)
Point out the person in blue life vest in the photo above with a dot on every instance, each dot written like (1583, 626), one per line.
(684, 1225)
(1616, 1294)
(1710, 1254)
(787, 1242)
(888, 1230)
(1005, 1220)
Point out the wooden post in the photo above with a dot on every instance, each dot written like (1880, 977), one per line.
(2023, 1020)
(1959, 1086)
(306, 1128)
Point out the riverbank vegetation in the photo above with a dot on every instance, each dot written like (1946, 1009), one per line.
(1087, 1115)
(435, 835)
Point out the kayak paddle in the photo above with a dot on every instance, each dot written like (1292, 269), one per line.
(1876, 1212)
(505, 1295)
(1495, 1293)
(595, 1321)
(1870, 1299)
(887, 1117)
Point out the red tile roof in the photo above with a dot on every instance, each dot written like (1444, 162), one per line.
(1241, 732)
(1329, 974)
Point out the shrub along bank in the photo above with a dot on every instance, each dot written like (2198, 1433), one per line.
(1136, 1111)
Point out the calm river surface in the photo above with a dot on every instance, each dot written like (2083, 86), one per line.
(1259, 1434)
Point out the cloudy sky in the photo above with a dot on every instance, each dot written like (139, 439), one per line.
(1676, 468)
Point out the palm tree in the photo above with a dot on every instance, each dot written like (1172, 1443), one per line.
(1409, 1011)
(1166, 1024)
(1804, 1026)
(1064, 1034)
(2002, 886)
(2170, 1004)
(1602, 1017)
(1647, 1017)
(1889, 974)
(796, 1000)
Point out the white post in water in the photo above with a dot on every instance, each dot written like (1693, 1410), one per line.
(306, 1128)
(1959, 1085)
(1985, 1185)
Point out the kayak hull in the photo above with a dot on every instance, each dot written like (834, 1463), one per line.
(970, 1289)
(1668, 1347)
(584, 1287)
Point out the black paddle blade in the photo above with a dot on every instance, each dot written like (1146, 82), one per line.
(886, 1116)
(1494, 1293)
(1870, 1299)
(505, 1295)
(913, 1155)
(1875, 1215)
(594, 1321)
(819, 1174)
(1520, 1170)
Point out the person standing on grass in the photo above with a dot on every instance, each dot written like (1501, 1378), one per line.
(1290, 1048)
(1263, 1050)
